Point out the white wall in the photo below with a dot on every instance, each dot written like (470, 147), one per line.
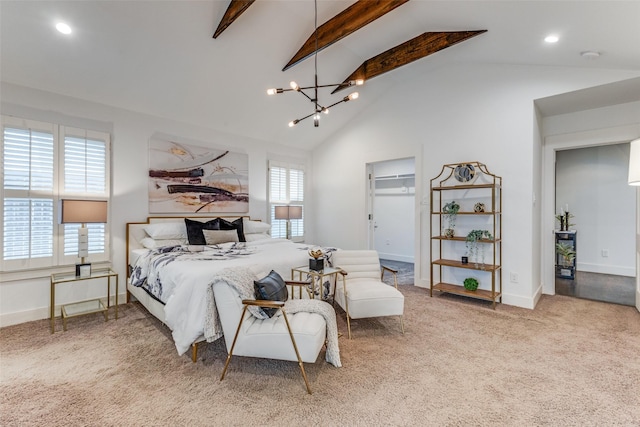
(464, 113)
(25, 300)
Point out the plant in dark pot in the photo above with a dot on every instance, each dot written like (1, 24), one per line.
(450, 211)
(567, 254)
(470, 284)
(473, 239)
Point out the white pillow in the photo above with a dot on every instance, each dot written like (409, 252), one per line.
(252, 227)
(256, 236)
(214, 237)
(150, 243)
(167, 230)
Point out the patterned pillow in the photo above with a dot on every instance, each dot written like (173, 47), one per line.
(271, 288)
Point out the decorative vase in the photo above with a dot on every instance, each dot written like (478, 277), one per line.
(449, 233)
(478, 207)
(316, 264)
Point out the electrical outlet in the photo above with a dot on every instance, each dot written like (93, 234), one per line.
(513, 277)
(605, 253)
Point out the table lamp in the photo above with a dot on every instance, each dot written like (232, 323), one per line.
(83, 212)
(288, 213)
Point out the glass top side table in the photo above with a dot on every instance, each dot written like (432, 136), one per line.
(83, 307)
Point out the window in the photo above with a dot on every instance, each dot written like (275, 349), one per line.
(286, 187)
(42, 164)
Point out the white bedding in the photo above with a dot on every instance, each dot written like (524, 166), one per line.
(185, 282)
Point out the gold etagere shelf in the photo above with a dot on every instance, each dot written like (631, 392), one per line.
(465, 183)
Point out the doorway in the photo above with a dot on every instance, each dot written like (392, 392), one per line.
(591, 184)
(392, 190)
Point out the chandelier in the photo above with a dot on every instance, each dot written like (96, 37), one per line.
(313, 90)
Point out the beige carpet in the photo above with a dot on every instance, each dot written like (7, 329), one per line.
(568, 362)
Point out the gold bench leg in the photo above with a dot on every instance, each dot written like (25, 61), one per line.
(194, 352)
(226, 364)
(295, 347)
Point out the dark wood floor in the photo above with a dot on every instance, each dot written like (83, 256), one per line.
(599, 287)
(405, 272)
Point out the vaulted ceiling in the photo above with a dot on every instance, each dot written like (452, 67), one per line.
(159, 57)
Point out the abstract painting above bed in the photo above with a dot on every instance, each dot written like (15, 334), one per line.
(188, 178)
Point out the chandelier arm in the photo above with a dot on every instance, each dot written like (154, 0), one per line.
(339, 102)
(305, 94)
(306, 117)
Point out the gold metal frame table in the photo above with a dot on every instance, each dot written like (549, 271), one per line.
(82, 307)
(316, 277)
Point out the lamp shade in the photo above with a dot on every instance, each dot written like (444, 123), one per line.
(83, 211)
(288, 212)
(634, 162)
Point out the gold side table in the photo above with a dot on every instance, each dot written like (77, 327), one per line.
(82, 307)
(316, 277)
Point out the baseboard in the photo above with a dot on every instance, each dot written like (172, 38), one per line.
(8, 319)
(616, 270)
(520, 301)
(396, 257)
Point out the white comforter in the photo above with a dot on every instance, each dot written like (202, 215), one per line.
(185, 282)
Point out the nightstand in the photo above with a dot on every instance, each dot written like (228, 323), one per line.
(317, 278)
(83, 307)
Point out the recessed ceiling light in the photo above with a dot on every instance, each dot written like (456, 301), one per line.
(552, 38)
(63, 28)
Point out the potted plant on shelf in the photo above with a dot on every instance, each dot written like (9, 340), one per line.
(567, 254)
(470, 284)
(473, 238)
(450, 211)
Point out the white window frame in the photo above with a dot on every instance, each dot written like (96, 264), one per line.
(45, 265)
(297, 226)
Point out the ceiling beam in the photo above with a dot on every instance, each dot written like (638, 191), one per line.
(409, 51)
(340, 26)
(235, 9)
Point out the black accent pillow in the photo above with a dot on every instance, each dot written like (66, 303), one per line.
(194, 230)
(271, 288)
(237, 225)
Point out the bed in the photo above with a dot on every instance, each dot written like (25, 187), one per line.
(169, 277)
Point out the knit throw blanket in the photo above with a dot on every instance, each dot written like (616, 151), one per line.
(241, 280)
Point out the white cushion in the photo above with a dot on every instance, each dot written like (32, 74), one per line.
(268, 338)
(166, 230)
(257, 236)
(253, 227)
(150, 243)
(370, 298)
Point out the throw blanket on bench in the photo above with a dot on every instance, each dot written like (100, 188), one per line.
(241, 280)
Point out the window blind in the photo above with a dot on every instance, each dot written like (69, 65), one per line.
(286, 187)
(37, 172)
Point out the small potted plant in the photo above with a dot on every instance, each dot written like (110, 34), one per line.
(470, 284)
(450, 211)
(567, 254)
